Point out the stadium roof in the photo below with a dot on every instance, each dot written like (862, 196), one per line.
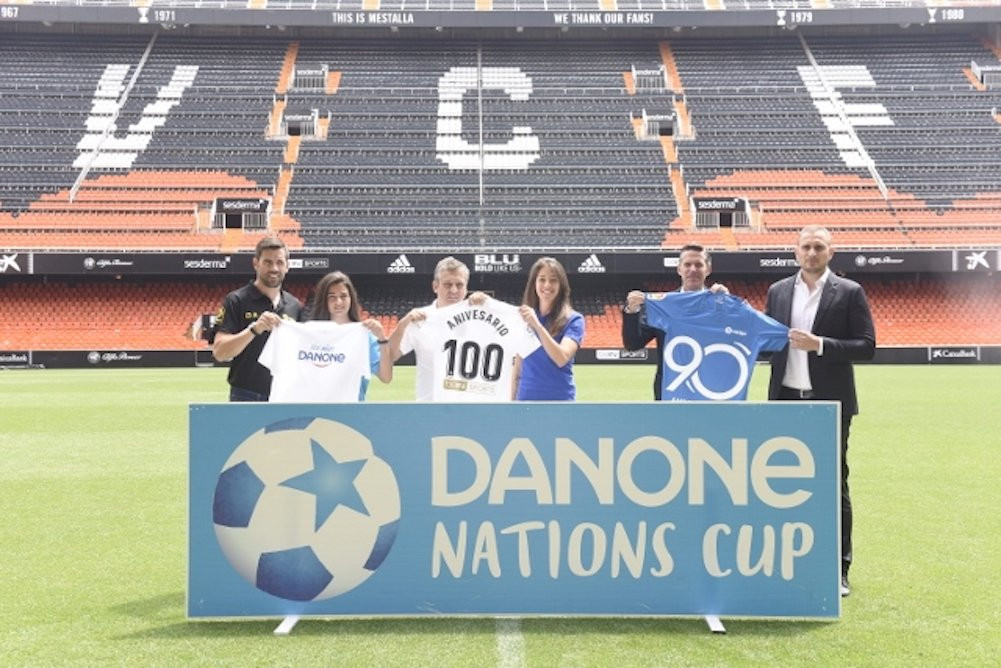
(584, 17)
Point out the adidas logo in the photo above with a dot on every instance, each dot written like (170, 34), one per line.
(400, 265)
(591, 265)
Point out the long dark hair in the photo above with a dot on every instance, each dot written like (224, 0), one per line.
(320, 310)
(560, 314)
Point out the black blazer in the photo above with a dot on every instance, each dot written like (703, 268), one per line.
(636, 334)
(845, 322)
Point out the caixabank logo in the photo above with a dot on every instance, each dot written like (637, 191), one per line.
(304, 510)
(8, 262)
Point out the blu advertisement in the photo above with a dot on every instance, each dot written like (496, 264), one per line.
(591, 509)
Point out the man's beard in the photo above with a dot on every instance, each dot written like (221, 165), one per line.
(271, 281)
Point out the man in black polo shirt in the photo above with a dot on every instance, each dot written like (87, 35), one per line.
(246, 318)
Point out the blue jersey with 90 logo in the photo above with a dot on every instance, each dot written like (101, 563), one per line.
(711, 341)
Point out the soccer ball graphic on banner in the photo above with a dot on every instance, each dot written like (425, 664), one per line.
(304, 510)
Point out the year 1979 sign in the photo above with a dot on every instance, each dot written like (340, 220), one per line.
(526, 509)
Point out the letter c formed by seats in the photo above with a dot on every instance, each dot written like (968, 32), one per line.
(452, 149)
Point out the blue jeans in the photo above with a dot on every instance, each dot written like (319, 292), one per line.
(240, 394)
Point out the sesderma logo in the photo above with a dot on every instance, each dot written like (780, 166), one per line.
(778, 262)
(400, 265)
(207, 263)
(591, 265)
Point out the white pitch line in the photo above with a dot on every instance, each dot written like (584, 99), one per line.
(510, 644)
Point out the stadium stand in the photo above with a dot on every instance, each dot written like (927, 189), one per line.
(134, 141)
(489, 143)
(156, 314)
(907, 311)
(131, 159)
(404, 152)
(884, 140)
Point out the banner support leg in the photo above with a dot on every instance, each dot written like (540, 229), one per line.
(714, 622)
(287, 625)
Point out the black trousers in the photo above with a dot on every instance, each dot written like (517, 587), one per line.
(787, 394)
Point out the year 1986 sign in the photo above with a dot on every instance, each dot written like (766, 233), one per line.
(529, 509)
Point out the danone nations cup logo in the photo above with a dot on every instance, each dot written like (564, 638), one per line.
(304, 510)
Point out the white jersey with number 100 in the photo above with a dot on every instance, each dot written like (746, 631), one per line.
(474, 349)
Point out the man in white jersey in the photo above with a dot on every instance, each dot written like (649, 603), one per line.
(317, 361)
(450, 284)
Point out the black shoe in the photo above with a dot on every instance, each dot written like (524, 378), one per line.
(845, 589)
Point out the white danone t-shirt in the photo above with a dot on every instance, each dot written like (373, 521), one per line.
(317, 361)
(466, 353)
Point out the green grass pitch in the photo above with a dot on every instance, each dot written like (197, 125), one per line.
(93, 547)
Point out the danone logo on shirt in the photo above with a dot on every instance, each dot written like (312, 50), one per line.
(321, 356)
(318, 361)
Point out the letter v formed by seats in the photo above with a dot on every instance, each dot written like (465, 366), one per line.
(100, 147)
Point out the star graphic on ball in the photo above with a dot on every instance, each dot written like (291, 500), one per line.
(332, 482)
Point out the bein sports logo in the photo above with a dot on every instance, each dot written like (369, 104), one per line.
(304, 510)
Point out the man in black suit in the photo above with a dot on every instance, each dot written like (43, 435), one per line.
(694, 266)
(830, 326)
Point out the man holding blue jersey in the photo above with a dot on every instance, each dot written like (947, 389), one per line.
(830, 327)
(694, 267)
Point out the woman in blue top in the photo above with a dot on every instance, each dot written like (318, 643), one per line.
(547, 374)
(336, 299)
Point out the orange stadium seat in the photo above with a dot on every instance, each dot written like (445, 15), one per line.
(918, 170)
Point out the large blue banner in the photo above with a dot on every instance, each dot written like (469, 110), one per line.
(526, 509)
